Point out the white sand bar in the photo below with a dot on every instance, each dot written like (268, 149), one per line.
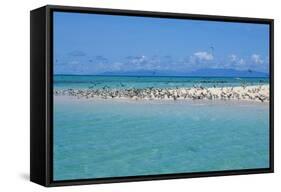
(258, 93)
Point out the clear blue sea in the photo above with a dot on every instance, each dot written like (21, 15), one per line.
(98, 138)
(96, 82)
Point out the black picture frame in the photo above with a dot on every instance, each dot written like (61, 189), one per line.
(41, 94)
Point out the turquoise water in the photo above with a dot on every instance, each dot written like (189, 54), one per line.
(112, 138)
(95, 82)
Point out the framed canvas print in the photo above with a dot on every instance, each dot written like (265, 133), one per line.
(121, 95)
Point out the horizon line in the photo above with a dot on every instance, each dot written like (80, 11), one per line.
(161, 75)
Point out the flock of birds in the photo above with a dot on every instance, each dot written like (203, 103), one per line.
(256, 93)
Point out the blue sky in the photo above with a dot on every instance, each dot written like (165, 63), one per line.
(94, 44)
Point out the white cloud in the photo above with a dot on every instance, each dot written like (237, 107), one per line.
(197, 60)
(257, 59)
(241, 61)
(116, 66)
(236, 62)
(203, 56)
(233, 58)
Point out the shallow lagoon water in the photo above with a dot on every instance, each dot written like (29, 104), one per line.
(123, 82)
(99, 138)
